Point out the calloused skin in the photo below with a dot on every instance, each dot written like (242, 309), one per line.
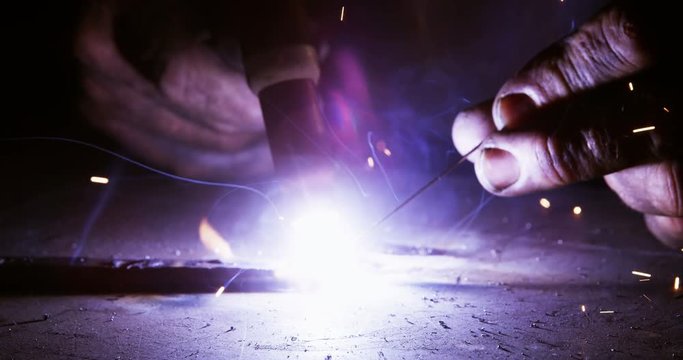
(529, 146)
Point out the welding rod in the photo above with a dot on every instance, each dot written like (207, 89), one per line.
(426, 186)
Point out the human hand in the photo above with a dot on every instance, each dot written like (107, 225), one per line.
(583, 109)
(165, 80)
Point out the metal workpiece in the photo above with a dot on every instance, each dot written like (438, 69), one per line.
(64, 276)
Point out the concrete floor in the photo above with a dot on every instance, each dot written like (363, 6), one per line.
(412, 323)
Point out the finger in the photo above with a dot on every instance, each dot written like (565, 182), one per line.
(471, 126)
(654, 189)
(589, 135)
(612, 45)
(668, 230)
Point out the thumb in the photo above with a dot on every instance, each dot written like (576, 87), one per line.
(592, 134)
(614, 44)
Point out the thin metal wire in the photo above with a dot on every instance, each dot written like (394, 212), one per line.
(426, 186)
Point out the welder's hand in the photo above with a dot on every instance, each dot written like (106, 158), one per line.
(169, 89)
(583, 109)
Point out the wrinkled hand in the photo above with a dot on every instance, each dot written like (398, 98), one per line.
(574, 111)
(168, 84)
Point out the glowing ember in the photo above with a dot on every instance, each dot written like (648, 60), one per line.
(643, 129)
(677, 283)
(630, 86)
(371, 162)
(545, 203)
(665, 109)
(640, 273)
(577, 210)
(607, 311)
(341, 17)
(99, 180)
(220, 291)
(387, 152)
(583, 308)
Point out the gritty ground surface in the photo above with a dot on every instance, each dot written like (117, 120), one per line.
(412, 323)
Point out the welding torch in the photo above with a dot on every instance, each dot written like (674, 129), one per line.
(282, 68)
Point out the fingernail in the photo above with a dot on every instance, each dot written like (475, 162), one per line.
(500, 168)
(512, 110)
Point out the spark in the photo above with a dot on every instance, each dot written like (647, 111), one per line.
(630, 86)
(577, 210)
(643, 280)
(341, 17)
(642, 129)
(371, 162)
(648, 298)
(583, 308)
(665, 109)
(381, 145)
(545, 203)
(387, 152)
(220, 291)
(677, 283)
(99, 180)
(640, 273)
(607, 311)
